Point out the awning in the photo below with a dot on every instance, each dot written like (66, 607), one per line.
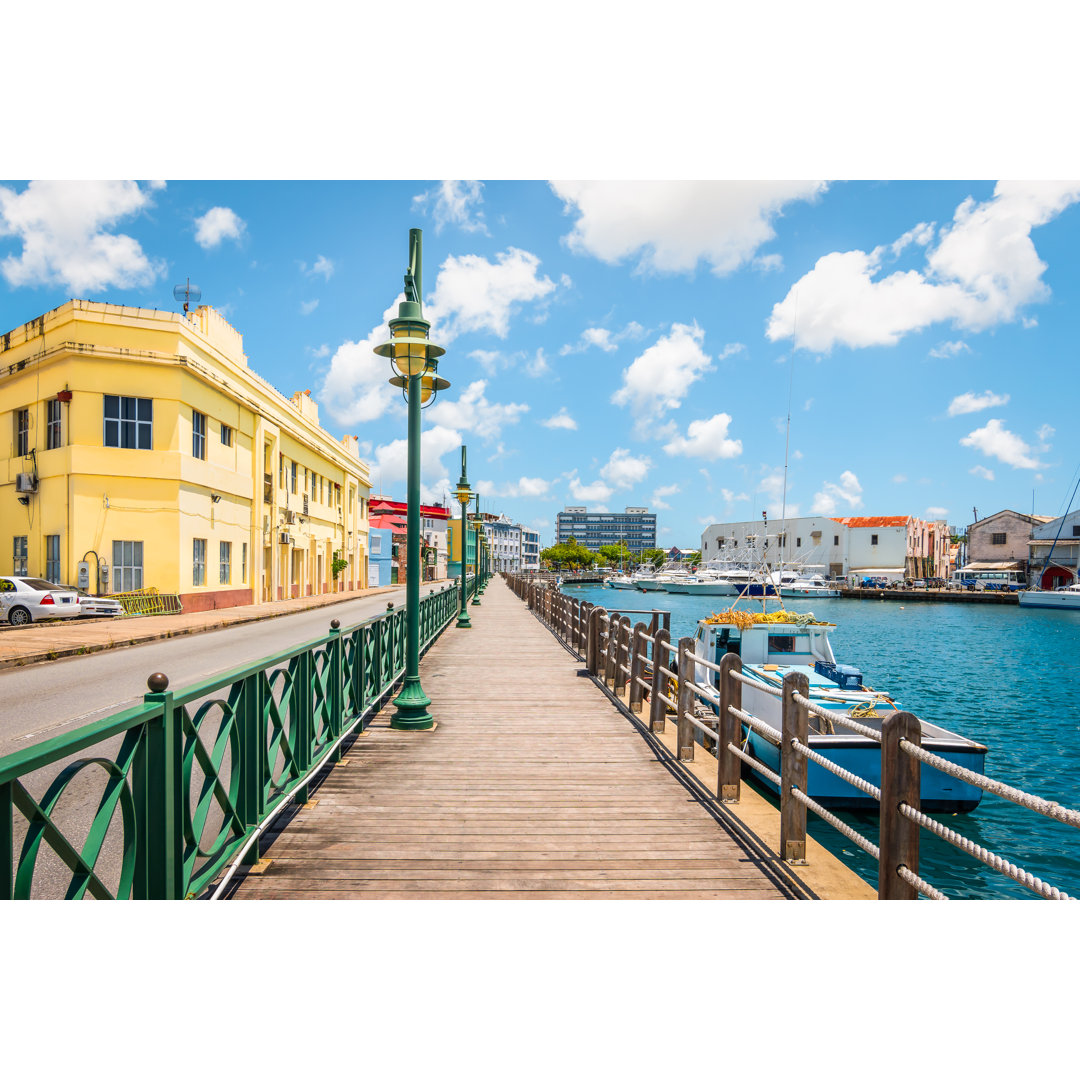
(1071, 541)
(993, 566)
(877, 570)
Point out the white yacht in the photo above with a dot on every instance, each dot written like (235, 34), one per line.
(1065, 598)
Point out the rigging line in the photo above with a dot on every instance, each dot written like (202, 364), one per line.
(1060, 527)
(787, 435)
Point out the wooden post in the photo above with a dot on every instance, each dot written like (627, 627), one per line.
(729, 767)
(899, 839)
(622, 653)
(685, 740)
(793, 770)
(592, 647)
(657, 709)
(637, 665)
(609, 648)
(532, 596)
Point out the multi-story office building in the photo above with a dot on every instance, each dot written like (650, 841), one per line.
(635, 527)
(143, 446)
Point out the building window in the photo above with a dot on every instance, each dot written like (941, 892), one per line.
(129, 422)
(198, 435)
(225, 559)
(293, 477)
(243, 564)
(836, 541)
(376, 545)
(19, 555)
(22, 432)
(281, 470)
(52, 558)
(53, 434)
(1076, 530)
(226, 435)
(873, 539)
(127, 557)
(798, 541)
(997, 538)
(198, 563)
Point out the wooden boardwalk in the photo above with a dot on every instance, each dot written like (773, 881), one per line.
(533, 785)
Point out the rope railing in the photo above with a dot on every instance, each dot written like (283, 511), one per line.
(647, 665)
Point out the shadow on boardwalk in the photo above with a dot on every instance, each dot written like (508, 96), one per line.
(533, 785)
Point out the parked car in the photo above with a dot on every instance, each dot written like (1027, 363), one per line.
(89, 604)
(24, 600)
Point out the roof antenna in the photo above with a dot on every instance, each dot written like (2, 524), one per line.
(187, 293)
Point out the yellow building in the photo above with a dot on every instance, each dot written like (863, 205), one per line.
(140, 442)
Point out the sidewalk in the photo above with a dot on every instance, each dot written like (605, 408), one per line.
(53, 640)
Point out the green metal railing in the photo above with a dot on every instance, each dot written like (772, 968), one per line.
(198, 771)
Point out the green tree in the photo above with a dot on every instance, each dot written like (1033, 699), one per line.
(614, 554)
(570, 554)
(656, 556)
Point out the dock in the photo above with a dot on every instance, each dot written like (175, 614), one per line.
(534, 784)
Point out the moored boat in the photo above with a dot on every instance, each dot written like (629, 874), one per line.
(1065, 598)
(772, 645)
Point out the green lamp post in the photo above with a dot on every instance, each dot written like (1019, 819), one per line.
(415, 359)
(479, 534)
(463, 494)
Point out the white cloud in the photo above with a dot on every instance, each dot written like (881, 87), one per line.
(217, 224)
(320, 351)
(562, 419)
(392, 462)
(981, 471)
(63, 226)
(322, 265)
(945, 350)
(603, 338)
(454, 202)
(768, 263)
(849, 491)
(706, 439)
(997, 442)
(472, 294)
(899, 478)
(936, 513)
(526, 487)
(489, 359)
(983, 270)
(538, 365)
(308, 306)
(659, 496)
(471, 411)
(663, 374)
(624, 471)
(670, 226)
(969, 402)
(731, 497)
(586, 493)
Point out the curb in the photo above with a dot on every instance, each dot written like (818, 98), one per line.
(50, 655)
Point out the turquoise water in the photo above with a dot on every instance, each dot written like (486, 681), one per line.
(998, 674)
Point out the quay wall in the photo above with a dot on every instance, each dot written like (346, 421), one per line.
(948, 596)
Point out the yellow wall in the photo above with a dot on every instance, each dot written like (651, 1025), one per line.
(90, 494)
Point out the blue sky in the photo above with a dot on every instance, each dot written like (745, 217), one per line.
(629, 343)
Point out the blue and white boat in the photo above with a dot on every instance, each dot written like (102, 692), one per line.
(769, 651)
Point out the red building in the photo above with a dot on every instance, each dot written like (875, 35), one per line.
(388, 514)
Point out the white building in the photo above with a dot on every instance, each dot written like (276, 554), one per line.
(530, 550)
(1055, 552)
(504, 540)
(849, 547)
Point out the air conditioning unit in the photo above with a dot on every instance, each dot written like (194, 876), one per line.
(290, 517)
(286, 538)
(25, 482)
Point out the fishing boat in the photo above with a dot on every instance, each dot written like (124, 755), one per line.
(773, 644)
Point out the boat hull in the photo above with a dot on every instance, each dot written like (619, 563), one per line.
(1062, 601)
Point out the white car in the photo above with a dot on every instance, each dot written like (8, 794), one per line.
(89, 604)
(24, 600)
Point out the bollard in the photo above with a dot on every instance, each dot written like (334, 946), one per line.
(685, 737)
(793, 770)
(729, 767)
(657, 708)
(637, 666)
(899, 839)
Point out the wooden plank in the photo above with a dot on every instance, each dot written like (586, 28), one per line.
(553, 795)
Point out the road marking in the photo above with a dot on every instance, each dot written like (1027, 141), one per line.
(75, 719)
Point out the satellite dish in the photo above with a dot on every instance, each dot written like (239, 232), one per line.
(187, 293)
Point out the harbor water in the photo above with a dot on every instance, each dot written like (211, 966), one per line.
(998, 674)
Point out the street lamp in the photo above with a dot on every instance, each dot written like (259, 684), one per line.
(415, 359)
(463, 494)
(479, 534)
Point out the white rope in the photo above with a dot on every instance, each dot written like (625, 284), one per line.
(924, 887)
(768, 733)
(850, 777)
(754, 764)
(757, 684)
(868, 846)
(984, 855)
(995, 787)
